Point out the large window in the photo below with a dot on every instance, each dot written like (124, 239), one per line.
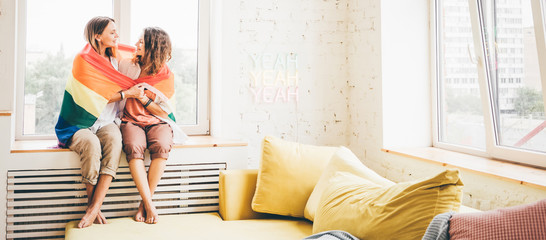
(491, 76)
(52, 34)
(461, 115)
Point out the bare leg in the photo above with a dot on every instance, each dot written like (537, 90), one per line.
(157, 167)
(140, 216)
(98, 194)
(138, 172)
(90, 190)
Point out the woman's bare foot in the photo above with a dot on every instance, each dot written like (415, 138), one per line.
(89, 217)
(151, 214)
(100, 219)
(139, 216)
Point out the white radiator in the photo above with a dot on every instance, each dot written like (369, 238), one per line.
(41, 202)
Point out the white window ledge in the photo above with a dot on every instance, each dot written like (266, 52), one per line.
(522, 174)
(44, 154)
(193, 142)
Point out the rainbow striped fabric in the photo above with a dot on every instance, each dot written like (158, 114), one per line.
(94, 80)
(162, 84)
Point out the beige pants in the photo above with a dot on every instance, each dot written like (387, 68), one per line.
(99, 153)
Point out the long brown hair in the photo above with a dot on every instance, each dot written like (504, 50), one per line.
(96, 26)
(157, 50)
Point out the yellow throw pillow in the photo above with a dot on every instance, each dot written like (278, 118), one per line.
(288, 173)
(370, 211)
(345, 161)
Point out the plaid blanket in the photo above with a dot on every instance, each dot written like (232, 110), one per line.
(331, 235)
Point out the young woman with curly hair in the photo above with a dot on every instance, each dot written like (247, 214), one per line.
(143, 124)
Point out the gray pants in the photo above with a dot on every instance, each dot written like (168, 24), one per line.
(100, 153)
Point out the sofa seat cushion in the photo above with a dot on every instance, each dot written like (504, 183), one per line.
(192, 226)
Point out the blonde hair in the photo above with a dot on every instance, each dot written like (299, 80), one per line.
(157, 50)
(96, 26)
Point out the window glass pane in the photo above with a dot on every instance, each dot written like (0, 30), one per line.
(180, 20)
(54, 35)
(459, 107)
(515, 75)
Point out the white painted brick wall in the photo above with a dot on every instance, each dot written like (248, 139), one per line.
(315, 31)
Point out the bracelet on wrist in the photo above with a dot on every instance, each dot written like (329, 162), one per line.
(145, 100)
(122, 94)
(148, 103)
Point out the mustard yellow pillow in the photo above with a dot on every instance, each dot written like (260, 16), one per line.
(288, 173)
(343, 160)
(370, 211)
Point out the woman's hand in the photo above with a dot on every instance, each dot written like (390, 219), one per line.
(143, 99)
(136, 91)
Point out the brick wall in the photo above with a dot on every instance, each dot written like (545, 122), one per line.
(258, 35)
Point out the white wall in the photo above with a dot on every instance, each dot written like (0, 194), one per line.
(8, 15)
(314, 30)
(365, 129)
(5, 144)
(405, 55)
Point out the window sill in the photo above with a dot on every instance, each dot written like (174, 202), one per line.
(193, 142)
(522, 174)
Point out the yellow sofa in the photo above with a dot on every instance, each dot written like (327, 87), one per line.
(235, 220)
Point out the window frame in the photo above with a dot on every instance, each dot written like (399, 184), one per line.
(493, 149)
(122, 14)
(435, 86)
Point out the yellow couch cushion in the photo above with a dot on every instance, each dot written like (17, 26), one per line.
(370, 211)
(343, 160)
(203, 226)
(288, 173)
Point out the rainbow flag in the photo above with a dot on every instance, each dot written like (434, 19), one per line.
(94, 80)
(162, 84)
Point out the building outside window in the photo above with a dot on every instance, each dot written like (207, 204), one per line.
(498, 111)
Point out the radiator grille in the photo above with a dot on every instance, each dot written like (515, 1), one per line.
(41, 202)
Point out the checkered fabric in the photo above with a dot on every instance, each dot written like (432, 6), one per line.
(519, 222)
